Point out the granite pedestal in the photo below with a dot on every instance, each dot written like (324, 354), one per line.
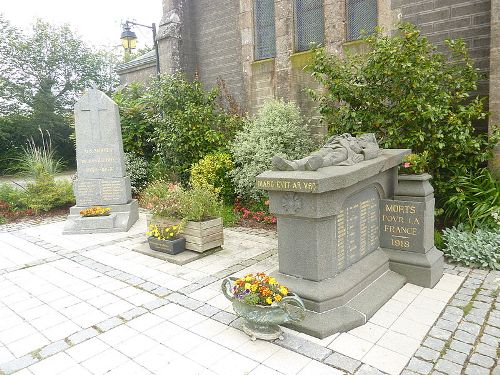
(101, 178)
(328, 240)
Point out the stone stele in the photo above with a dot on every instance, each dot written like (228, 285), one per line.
(329, 239)
(100, 168)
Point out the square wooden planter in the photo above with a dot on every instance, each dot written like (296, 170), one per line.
(202, 236)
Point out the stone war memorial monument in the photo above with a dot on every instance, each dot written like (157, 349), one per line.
(101, 179)
(351, 232)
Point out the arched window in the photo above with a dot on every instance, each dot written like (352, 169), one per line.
(361, 15)
(309, 23)
(264, 29)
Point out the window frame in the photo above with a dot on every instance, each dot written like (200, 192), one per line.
(297, 48)
(348, 38)
(257, 57)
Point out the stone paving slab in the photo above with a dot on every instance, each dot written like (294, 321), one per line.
(91, 305)
(180, 259)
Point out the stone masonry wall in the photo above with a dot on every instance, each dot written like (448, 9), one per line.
(442, 19)
(142, 74)
(217, 43)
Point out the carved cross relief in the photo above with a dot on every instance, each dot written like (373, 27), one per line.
(94, 104)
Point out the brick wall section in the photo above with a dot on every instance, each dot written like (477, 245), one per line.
(218, 43)
(465, 19)
(494, 123)
(442, 19)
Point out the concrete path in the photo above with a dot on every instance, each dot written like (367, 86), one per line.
(90, 304)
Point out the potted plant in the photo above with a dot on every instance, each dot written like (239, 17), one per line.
(263, 304)
(413, 180)
(162, 199)
(95, 211)
(166, 239)
(201, 208)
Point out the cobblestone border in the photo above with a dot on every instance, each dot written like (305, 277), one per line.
(7, 228)
(465, 338)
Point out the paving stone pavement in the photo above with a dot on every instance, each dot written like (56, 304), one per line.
(466, 337)
(89, 304)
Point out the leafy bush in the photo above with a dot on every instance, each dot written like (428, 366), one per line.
(479, 248)
(45, 193)
(138, 171)
(200, 203)
(474, 200)
(135, 114)
(188, 122)
(12, 196)
(214, 171)
(163, 199)
(411, 96)
(277, 129)
(230, 217)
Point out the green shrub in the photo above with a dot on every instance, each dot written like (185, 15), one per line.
(45, 193)
(478, 248)
(230, 218)
(214, 171)
(188, 123)
(438, 239)
(411, 96)
(138, 170)
(163, 199)
(135, 114)
(200, 203)
(277, 129)
(474, 200)
(13, 196)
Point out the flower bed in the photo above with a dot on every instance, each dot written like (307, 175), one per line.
(250, 215)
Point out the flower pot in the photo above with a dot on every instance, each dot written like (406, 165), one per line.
(262, 322)
(202, 236)
(173, 247)
(414, 185)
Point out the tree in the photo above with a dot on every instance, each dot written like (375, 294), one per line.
(42, 72)
(411, 96)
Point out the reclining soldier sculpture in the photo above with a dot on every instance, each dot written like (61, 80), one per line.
(339, 150)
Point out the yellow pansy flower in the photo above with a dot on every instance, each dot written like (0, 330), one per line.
(247, 286)
(269, 300)
(277, 298)
(284, 290)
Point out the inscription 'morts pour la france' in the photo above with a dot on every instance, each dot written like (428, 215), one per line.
(357, 227)
(401, 224)
(99, 146)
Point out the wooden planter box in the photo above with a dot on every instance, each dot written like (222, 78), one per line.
(202, 236)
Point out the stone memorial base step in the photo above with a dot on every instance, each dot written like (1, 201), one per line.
(353, 314)
(348, 299)
(121, 219)
(420, 269)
